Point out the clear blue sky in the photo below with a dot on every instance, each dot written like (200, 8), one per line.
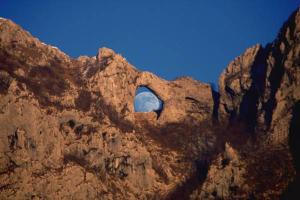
(170, 38)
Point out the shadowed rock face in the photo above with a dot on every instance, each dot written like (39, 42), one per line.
(69, 131)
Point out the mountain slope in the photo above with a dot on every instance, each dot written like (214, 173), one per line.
(69, 131)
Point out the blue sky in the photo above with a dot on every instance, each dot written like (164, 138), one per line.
(170, 38)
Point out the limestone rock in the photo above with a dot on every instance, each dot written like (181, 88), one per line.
(260, 87)
(68, 129)
(69, 124)
(225, 178)
(236, 81)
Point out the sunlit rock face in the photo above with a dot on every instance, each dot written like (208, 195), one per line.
(96, 147)
(71, 125)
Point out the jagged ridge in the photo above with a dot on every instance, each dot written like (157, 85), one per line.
(69, 125)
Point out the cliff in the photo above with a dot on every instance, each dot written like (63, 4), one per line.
(69, 130)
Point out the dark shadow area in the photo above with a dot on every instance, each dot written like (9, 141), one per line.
(83, 101)
(232, 113)
(192, 183)
(43, 81)
(5, 81)
(191, 139)
(236, 134)
(268, 169)
(278, 69)
(103, 109)
(293, 191)
(275, 81)
(249, 103)
(180, 136)
(216, 99)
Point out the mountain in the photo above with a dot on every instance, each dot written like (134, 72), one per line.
(69, 130)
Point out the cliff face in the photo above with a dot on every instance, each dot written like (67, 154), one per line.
(69, 131)
(260, 87)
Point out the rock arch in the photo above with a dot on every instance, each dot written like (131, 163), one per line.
(146, 100)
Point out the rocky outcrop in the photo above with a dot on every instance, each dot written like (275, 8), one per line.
(225, 177)
(261, 86)
(118, 82)
(236, 85)
(260, 90)
(69, 125)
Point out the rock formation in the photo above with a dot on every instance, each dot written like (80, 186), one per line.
(69, 131)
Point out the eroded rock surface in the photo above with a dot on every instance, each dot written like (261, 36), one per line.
(69, 131)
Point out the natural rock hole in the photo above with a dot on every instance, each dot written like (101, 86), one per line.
(147, 101)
